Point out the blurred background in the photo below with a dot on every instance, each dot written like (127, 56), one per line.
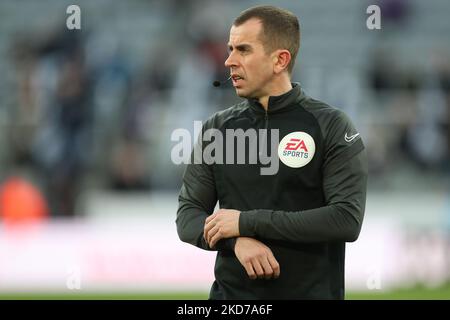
(88, 191)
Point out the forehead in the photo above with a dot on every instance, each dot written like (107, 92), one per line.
(247, 32)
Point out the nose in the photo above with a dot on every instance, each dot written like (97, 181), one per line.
(231, 61)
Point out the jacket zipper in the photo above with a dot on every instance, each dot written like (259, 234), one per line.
(267, 120)
(266, 126)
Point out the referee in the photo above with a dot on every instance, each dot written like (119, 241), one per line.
(281, 235)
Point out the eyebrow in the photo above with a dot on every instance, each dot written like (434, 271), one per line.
(241, 47)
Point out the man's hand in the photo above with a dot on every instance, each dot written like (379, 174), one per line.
(223, 223)
(257, 258)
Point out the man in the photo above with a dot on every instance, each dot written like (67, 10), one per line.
(281, 235)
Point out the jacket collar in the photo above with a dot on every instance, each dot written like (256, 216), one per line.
(281, 102)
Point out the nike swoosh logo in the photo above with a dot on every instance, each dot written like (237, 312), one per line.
(351, 138)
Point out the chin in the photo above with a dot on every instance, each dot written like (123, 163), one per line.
(241, 93)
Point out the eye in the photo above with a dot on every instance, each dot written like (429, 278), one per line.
(244, 49)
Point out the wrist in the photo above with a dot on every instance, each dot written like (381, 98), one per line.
(233, 243)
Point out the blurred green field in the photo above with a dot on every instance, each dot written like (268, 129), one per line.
(416, 293)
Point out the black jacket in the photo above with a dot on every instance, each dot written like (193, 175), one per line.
(305, 213)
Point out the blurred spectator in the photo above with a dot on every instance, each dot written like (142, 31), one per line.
(27, 115)
(21, 202)
(111, 87)
(62, 144)
(382, 72)
(427, 138)
(129, 167)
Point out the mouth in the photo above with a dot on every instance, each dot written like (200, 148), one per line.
(236, 79)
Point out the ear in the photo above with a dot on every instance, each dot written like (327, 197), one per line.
(281, 60)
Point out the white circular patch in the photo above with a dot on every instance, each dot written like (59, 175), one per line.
(296, 149)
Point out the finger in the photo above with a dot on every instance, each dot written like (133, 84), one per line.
(210, 218)
(258, 269)
(205, 233)
(209, 235)
(215, 238)
(275, 266)
(249, 269)
(268, 271)
(208, 227)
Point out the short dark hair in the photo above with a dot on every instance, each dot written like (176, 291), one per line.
(281, 29)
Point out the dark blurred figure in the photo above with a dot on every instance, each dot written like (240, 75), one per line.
(443, 75)
(62, 145)
(427, 138)
(128, 162)
(382, 73)
(129, 167)
(27, 113)
(73, 118)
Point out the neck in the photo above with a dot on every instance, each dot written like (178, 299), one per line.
(276, 90)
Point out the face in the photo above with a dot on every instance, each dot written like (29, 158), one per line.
(251, 68)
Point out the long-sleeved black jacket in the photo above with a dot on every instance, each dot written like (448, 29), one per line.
(305, 212)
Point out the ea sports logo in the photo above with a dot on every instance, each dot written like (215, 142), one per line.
(296, 149)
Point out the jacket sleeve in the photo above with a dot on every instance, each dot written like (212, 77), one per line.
(344, 184)
(197, 200)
